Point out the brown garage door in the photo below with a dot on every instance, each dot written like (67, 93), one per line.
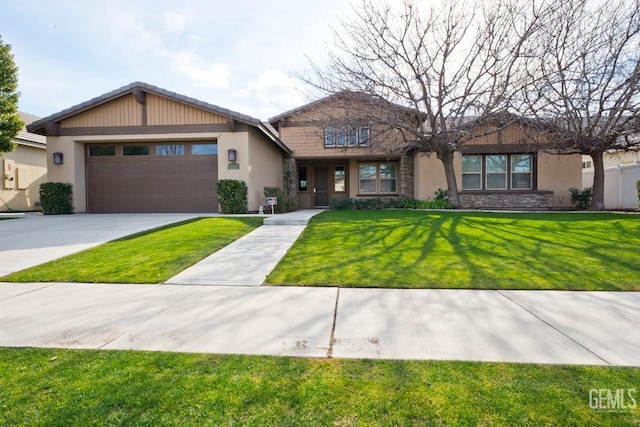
(152, 177)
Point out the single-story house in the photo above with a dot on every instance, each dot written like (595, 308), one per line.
(499, 169)
(23, 170)
(144, 149)
(141, 148)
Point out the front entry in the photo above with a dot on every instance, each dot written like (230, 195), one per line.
(321, 186)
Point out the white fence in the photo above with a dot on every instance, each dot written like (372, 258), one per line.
(619, 185)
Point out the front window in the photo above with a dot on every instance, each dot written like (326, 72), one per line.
(521, 171)
(303, 179)
(496, 167)
(339, 183)
(352, 137)
(377, 178)
(497, 172)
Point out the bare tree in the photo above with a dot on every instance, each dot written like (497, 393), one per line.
(584, 80)
(446, 66)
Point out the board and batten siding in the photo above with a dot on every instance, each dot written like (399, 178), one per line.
(123, 111)
(163, 111)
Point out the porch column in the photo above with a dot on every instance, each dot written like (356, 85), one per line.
(290, 180)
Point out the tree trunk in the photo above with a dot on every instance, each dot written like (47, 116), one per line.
(597, 202)
(452, 186)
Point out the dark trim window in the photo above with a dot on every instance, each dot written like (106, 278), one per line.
(351, 137)
(170, 150)
(497, 172)
(204, 149)
(102, 150)
(339, 179)
(303, 179)
(135, 150)
(378, 178)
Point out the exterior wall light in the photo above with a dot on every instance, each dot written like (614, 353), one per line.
(232, 155)
(58, 159)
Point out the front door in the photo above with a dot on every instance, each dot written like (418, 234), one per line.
(321, 186)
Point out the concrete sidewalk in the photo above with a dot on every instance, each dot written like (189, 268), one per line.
(248, 260)
(555, 327)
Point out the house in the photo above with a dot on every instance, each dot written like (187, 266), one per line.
(335, 157)
(23, 169)
(141, 148)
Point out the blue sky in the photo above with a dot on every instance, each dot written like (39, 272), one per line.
(237, 54)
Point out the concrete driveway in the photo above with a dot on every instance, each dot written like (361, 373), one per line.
(35, 238)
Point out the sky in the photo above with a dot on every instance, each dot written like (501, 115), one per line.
(238, 54)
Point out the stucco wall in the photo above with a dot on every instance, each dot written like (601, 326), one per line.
(259, 163)
(31, 165)
(558, 174)
(555, 173)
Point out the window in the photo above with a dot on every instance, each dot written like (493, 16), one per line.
(303, 179)
(497, 172)
(496, 167)
(587, 164)
(378, 178)
(135, 150)
(102, 150)
(204, 149)
(352, 137)
(169, 150)
(471, 172)
(339, 183)
(521, 171)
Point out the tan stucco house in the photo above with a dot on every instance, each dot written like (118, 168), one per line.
(23, 170)
(141, 148)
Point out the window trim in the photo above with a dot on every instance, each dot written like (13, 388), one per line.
(343, 138)
(378, 179)
(509, 173)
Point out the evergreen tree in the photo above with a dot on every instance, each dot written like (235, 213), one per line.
(10, 122)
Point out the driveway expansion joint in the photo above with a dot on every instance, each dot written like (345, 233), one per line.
(333, 326)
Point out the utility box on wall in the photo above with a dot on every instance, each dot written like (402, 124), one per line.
(9, 170)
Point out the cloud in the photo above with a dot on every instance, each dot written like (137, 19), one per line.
(201, 73)
(174, 22)
(270, 93)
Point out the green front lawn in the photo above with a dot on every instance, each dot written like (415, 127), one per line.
(79, 388)
(421, 249)
(150, 257)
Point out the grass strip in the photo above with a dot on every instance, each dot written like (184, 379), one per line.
(85, 387)
(479, 250)
(150, 257)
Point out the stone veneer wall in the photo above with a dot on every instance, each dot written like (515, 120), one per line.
(506, 200)
(290, 180)
(406, 177)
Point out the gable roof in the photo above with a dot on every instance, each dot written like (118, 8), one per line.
(25, 137)
(346, 95)
(39, 126)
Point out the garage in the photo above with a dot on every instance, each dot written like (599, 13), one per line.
(163, 177)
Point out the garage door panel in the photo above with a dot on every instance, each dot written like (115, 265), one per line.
(152, 183)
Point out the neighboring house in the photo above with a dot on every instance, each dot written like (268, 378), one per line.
(621, 173)
(500, 169)
(144, 149)
(23, 169)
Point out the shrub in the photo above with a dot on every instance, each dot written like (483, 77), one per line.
(56, 198)
(284, 205)
(581, 199)
(388, 203)
(232, 196)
